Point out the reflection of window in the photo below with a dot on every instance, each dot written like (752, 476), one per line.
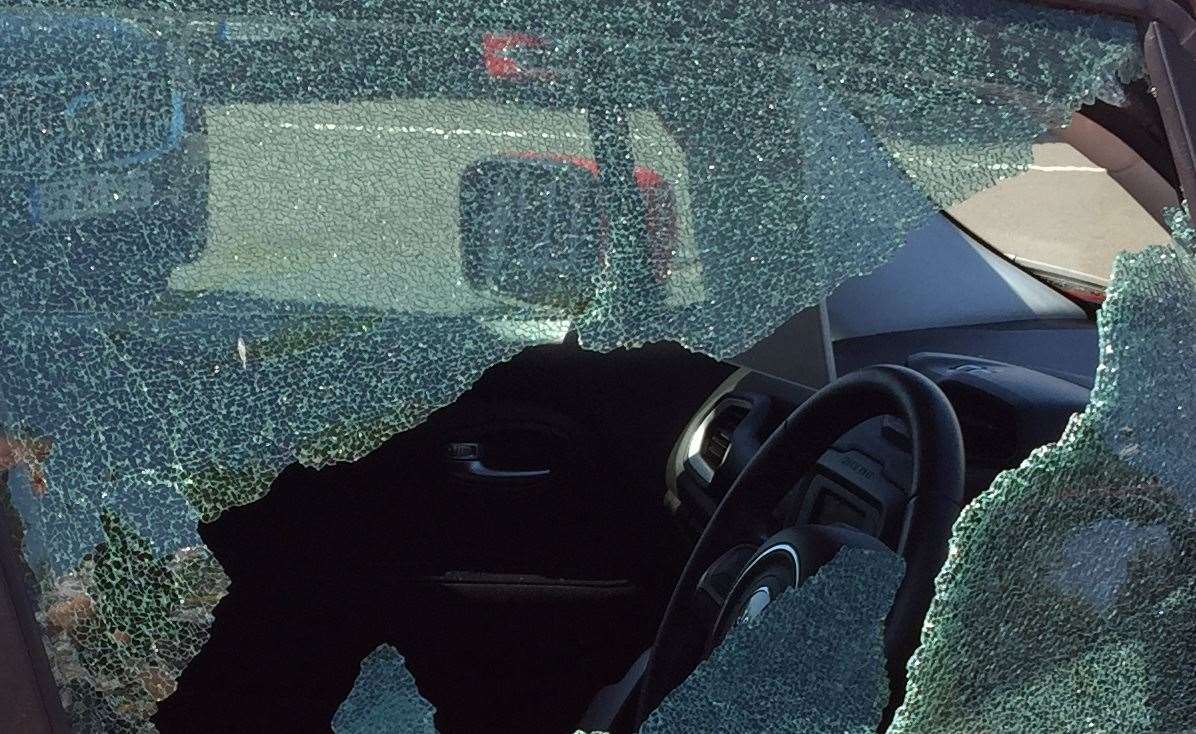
(1071, 212)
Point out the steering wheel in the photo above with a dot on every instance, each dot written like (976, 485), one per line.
(787, 558)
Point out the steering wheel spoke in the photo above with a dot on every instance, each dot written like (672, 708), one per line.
(718, 579)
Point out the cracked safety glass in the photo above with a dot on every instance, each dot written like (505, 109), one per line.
(234, 237)
(1066, 603)
(384, 699)
(822, 639)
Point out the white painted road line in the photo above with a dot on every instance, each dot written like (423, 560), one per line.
(436, 131)
(1067, 169)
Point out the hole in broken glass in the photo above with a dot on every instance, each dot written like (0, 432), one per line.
(228, 233)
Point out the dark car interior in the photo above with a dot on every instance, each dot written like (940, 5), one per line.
(502, 592)
(521, 545)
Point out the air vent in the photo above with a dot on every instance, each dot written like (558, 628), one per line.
(716, 440)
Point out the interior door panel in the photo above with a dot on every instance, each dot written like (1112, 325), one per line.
(515, 534)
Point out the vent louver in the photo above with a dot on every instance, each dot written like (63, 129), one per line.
(716, 442)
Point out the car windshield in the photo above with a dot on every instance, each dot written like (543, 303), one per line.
(239, 237)
(1067, 216)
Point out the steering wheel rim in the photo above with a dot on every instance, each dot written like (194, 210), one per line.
(935, 499)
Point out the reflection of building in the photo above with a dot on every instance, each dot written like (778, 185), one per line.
(102, 169)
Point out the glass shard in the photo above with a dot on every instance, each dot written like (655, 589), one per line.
(813, 661)
(1068, 598)
(384, 700)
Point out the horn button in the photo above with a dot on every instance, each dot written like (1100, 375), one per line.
(773, 570)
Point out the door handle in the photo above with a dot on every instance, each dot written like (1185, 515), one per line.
(468, 465)
(478, 470)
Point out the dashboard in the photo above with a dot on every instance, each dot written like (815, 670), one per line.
(1005, 410)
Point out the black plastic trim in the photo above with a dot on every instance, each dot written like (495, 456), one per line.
(1174, 75)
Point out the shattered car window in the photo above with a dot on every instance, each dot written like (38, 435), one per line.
(236, 237)
(1067, 600)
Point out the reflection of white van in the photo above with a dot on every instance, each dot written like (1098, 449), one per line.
(372, 192)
